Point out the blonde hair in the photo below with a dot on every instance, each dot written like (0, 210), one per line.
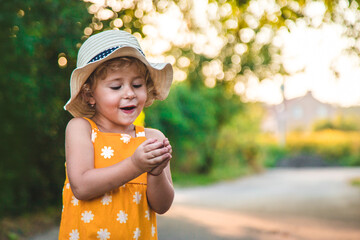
(114, 64)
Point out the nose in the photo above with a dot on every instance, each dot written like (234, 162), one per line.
(129, 93)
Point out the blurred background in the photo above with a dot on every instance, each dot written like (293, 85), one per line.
(258, 85)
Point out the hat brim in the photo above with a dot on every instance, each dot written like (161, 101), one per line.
(160, 73)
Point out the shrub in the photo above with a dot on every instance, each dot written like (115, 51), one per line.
(191, 119)
(336, 147)
(340, 123)
(33, 120)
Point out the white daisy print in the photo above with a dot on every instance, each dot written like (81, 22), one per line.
(68, 186)
(107, 198)
(153, 230)
(103, 234)
(125, 138)
(87, 216)
(107, 152)
(74, 235)
(122, 217)
(140, 134)
(93, 135)
(136, 234)
(147, 214)
(137, 197)
(75, 201)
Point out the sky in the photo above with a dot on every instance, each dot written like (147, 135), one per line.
(311, 55)
(308, 55)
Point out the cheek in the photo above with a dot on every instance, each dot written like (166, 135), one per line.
(109, 99)
(142, 96)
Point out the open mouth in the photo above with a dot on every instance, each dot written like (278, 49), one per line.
(128, 109)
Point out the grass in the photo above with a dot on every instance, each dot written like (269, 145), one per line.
(218, 174)
(355, 182)
(28, 224)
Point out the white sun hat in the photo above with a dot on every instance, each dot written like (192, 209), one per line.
(105, 46)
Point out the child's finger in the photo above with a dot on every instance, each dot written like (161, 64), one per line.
(160, 159)
(152, 146)
(149, 141)
(159, 169)
(157, 152)
(167, 144)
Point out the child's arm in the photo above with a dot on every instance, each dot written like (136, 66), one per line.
(88, 182)
(160, 190)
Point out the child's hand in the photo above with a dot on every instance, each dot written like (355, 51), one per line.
(151, 154)
(159, 169)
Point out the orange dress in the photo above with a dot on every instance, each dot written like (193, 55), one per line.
(122, 213)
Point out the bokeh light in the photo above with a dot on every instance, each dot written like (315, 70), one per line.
(62, 61)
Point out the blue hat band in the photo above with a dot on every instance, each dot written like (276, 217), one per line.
(105, 53)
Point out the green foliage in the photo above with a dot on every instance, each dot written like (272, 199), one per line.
(191, 118)
(208, 127)
(212, 135)
(28, 224)
(238, 144)
(223, 173)
(355, 182)
(34, 90)
(271, 153)
(340, 123)
(336, 147)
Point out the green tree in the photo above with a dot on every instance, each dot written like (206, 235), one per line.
(192, 119)
(230, 44)
(34, 35)
(216, 59)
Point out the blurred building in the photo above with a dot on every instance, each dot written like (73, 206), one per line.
(297, 114)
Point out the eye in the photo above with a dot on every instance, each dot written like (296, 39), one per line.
(137, 85)
(115, 88)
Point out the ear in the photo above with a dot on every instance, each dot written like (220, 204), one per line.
(87, 94)
(90, 99)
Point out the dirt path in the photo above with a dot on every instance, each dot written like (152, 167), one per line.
(199, 223)
(296, 204)
(291, 204)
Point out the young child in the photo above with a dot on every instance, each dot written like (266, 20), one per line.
(118, 175)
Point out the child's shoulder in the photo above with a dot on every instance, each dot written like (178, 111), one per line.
(78, 124)
(154, 133)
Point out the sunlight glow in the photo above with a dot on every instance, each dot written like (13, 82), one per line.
(88, 31)
(246, 35)
(310, 56)
(313, 58)
(210, 82)
(239, 88)
(118, 23)
(179, 75)
(62, 61)
(184, 62)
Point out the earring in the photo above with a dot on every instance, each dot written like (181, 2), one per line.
(92, 105)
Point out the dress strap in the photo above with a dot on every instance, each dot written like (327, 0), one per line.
(92, 123)
(140, 131)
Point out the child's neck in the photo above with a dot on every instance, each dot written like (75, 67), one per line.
(112, 128)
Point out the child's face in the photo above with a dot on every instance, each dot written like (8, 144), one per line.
(120, 97)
